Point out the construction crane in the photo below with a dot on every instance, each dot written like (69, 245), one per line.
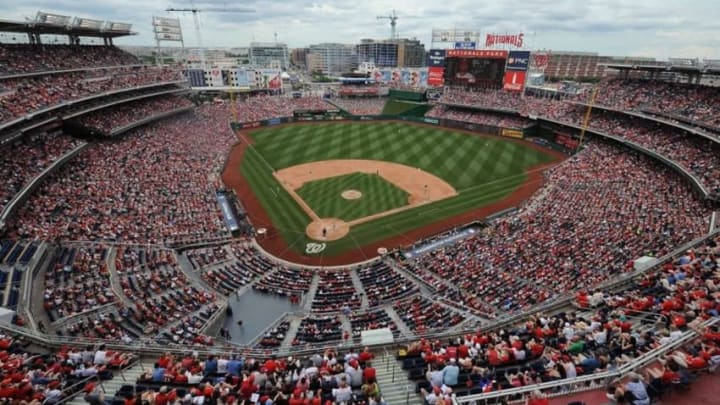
(393, 17)
(194, 10)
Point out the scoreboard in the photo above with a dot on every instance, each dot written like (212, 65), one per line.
(475, 68)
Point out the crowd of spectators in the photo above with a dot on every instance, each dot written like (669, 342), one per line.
(33, 378)
(162, 295)
(423, 315)
(260, 108)
(680, 100)
(596, 211)
(27, 157)
(27, 58)
(24, 95)
(285, 282)
(76, 280)
(697, 155)
(478, 117)
(361, 105)
(110, 119)
(335, 292)
(381, 283)
(323, 378)
(155, 185)
(371, 320)
(207, 256)
(610, 330)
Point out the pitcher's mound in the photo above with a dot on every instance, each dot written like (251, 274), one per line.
(327, 229)
(351, 194)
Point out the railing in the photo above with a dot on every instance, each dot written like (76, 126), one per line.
(122, 101)
(646, 116)
(65, 104)
(150, 347)
(61, 71)
(28, 188)
(69, 393)
(694, 181)
(155, 117)
(59, 323)
(582, 383)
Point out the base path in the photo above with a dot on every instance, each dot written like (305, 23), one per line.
(422, 187)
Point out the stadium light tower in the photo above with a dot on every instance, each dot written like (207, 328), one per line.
(194, 10)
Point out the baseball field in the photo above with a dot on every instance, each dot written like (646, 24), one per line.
(326, 189)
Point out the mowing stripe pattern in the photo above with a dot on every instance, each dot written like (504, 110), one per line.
(482, 169)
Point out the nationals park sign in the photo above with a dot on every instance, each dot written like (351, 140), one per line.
(515, 40)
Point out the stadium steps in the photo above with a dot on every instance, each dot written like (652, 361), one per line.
(310, 296)
(402, 327)
(115, 284)
(291, 332)
(393, 381)
(192, 275)
(364, 303)
(127, 377)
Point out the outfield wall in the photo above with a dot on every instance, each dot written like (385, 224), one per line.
(514, 133)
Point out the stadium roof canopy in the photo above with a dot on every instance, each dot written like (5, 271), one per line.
(675, 65)
(53, 24)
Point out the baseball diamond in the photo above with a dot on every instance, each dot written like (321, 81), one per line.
(480, 170)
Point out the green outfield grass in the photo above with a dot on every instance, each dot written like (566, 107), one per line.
(378, 195)
(482, 169)
(396, 107)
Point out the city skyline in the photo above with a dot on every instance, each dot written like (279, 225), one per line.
(659, 29)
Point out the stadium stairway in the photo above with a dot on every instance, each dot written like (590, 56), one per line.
(393, 381)
(359, 288)
(125, 377)
(310, 294)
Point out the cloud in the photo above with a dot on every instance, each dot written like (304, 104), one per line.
(610, 27)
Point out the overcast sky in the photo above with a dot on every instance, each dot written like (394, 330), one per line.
(657, 28)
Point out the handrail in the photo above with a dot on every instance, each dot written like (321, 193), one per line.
(58, 106)
(122, 101)
(59, 323)
(152, 118)
(649, 152)
(35, 181)
(642, 115)
(580, 381)
(61, 71)
(149, 346)
(73, 392)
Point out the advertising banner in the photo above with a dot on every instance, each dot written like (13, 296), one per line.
(511, 133)
(476, 53)
(241, 77)
(271, 79)
(465, 45)
(436, 57)
(518, 60)
(216, 77)
(418, 78)
(514, 80)
(435, 76)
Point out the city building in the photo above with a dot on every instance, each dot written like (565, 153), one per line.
(269, 55)
(400, 52)
(297, 57)
(331, 58)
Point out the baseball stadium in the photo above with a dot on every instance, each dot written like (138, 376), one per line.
(483, 224)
